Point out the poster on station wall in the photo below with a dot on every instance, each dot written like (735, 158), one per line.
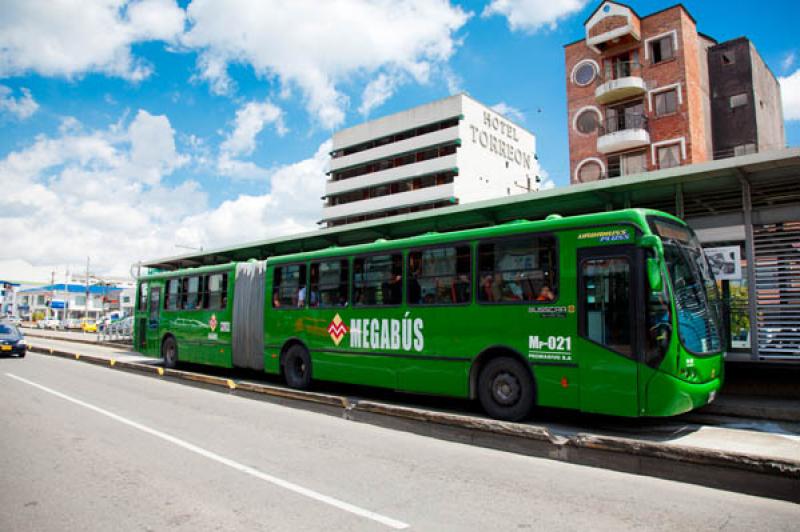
(726, 262)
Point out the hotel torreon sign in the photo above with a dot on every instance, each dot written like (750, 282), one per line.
(500, 137)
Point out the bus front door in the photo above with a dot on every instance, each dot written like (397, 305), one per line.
(153, 320)
(607, 315)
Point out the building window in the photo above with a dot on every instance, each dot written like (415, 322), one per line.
(662, 49)
(669, 156)
(587, 121)
(666, 102)
(738, 100)
(584, 73)
(729, 57)
(627, 164)
(522, 270)
(589, 171)
(628, 116)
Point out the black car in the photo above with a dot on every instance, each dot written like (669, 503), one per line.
(11, 341)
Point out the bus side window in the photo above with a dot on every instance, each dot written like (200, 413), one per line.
(378, 280)
(289, 286)
(518, 270)
(330, 284)
(439, 276)
(143, 297)
(217, 291)
(173, 294)
(191, 287)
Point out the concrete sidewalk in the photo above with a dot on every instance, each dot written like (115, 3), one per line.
(752, 457)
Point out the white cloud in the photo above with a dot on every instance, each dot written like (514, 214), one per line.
(22, 107)
(292, 205)
(533, 15)
(378, 91)
(512, 113)
(788, 61)
(790, 93)
(72, 38)
(316, 46)
(94, 193)
(99, 193)
(251, 119)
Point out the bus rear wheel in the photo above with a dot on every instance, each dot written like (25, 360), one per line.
(169, 352)
(297, 367)
(505, 389)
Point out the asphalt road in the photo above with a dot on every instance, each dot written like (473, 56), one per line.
(82, 447)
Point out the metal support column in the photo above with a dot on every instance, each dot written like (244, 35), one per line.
(750, 254)
(679, 201)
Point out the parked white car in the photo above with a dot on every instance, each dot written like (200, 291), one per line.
(48, 323)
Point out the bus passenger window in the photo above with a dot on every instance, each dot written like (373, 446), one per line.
(173, 294)
(289, 286)
(606, 303)
(143, 297)
(191, 286)
(520, 270)
(439, 276)
(377, 280)
(330, 284)
(218, 291)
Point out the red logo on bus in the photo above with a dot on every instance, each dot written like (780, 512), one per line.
(212, 323)
(337, 329)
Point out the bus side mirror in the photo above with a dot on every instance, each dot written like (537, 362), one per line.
(654, 275)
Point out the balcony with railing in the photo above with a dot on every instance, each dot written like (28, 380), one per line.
(620, 82)
(623, 131)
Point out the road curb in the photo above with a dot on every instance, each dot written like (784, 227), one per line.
(770, 477)
(78, 341)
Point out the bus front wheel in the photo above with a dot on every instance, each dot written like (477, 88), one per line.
(169, 352)
(505, 389)
(297, 367)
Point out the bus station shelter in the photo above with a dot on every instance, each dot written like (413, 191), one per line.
(745, 210)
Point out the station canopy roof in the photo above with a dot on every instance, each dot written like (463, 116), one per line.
(704, 189)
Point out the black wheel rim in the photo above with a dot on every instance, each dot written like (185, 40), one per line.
(506, 389)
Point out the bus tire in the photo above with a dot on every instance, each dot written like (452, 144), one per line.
(297, 367)
(505, 389)
(169, 352)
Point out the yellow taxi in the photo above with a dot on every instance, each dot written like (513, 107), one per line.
(88, 325)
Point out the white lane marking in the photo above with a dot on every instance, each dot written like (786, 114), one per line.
(347, 507)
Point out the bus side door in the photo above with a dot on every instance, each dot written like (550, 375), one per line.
(154, 320)
(607, 314)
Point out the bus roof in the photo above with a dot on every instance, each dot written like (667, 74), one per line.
(636, 217)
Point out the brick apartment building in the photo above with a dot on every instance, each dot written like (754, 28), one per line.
(647, 93)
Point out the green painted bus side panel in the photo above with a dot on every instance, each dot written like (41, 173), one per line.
(668, 396)
(557, 386)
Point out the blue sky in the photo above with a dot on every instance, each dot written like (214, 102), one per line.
(130, 128)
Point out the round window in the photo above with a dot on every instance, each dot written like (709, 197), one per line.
(584, 73)
(590, 171)
(587, 122)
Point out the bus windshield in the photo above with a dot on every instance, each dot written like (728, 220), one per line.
(696, 298)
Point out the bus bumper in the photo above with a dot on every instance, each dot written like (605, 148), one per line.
(670, 396)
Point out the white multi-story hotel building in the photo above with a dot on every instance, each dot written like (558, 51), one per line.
(454, 150)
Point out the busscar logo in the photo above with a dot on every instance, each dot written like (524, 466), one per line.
(337, 329)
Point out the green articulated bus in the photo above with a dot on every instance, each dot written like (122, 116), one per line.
(614, 313)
